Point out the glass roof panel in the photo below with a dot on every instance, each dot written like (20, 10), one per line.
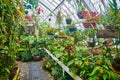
(66, 8)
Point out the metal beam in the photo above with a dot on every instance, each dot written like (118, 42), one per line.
(88, 4)
(59, 4)
(50, 9)
(47, 8)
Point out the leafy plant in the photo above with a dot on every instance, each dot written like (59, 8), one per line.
(79, 6)
(26, 56)
(72, 25)
(51, 30)
(111, 18)
(10, 17)
(91, 67)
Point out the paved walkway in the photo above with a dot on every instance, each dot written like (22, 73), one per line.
(33, 71)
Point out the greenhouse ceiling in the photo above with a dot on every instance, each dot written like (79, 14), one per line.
(69, 8)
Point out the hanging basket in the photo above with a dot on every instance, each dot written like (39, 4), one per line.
(80, 16)
(72, 29)
(49, 33)
(107, 33)
(68, 21)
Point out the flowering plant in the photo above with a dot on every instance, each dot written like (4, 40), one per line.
(91, 18)
(36, 12)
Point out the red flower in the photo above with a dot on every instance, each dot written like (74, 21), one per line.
(39, 10)
(91, 18)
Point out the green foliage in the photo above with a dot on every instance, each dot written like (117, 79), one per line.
(10, 17)
(72, 25)
(112, 17)
(55, 69)
(34, 3)
(51, 30)
(79, 6)
(91, 32)
(30, 39)
(26, 56)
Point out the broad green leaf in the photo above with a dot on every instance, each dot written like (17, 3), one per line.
(58, 55)
(115, 77)
(95, 70)
(74, 69)
(93, 77)
(70, 63)
(7, 70)
(105, 76)
(82, 73)
(105, 67)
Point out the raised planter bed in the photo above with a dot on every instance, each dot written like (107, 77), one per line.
(64, 67)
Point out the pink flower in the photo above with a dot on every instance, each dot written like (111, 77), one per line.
(29, 18)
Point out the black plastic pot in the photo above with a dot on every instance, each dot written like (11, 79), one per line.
(68, 21)
(72, 29)
(49, 33)
(91, 44)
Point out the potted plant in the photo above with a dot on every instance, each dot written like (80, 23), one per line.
(68, 20)
(9, 29)
(80, 9)
(51, 31)
(35, 51)
(91, 32)
(26, 56)
(72, 27)
(91, 19)
(111, 20)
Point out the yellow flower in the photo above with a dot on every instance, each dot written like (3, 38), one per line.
(86, 63)
(99, 62)
(101, 70)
